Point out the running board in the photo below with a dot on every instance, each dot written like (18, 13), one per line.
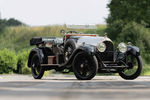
(50, 65)
(110, 64)
(114, 66)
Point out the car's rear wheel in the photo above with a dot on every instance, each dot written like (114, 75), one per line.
(134, 67)
(85, 66)
(37, 71)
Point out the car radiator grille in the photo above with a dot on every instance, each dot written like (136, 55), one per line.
(108, 55)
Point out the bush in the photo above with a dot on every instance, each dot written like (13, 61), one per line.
(8, 61)
(22, 62)
(26, 70)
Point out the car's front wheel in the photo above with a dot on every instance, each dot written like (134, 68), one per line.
(85, 66)
(134, 67)
(37, 71)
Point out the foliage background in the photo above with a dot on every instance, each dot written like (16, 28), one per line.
(128, 21)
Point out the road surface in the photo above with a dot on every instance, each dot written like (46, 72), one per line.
(66, 87)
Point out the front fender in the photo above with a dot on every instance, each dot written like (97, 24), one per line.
(87, 48)
(35, 51)
(133, 50)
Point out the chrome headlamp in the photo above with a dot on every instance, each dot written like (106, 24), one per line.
(101, 47)
(122, 47)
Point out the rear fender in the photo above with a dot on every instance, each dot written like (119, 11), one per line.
(35, 51)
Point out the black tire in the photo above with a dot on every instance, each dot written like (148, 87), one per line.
(137, 70)
(69, 47)
(84, 63)
(37, 71)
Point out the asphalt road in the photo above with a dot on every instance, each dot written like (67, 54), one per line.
(66, 87)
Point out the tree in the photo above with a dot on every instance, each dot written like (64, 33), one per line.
(124, 11)
(129, 10)
(9, 22)
(13, 22)
(129, 21)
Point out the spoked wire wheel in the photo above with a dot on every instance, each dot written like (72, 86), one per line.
(68, 51)
(85, 66)
(134, 68)
(36, 69)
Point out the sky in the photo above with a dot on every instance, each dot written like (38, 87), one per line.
(49, 12)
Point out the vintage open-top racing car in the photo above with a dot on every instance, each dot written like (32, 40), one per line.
(85, 55)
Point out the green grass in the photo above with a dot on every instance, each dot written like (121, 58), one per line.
(146, 70)
(17, 38)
